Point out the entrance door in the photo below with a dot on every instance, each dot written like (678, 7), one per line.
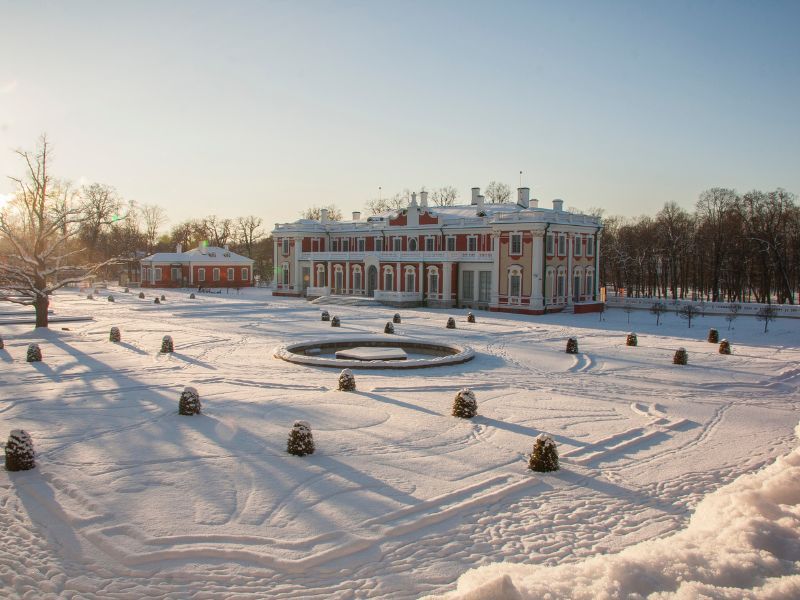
(372, 280)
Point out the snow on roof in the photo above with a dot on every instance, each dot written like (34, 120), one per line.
(209, 254)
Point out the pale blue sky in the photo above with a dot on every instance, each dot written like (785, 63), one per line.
(269, 107)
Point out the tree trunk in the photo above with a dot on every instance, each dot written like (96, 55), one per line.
(41, 304)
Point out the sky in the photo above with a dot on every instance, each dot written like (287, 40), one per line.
(267, 108)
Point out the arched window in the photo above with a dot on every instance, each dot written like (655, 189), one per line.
(561, 285)
(549, 284)
(514, 284)
(357, 281)
(320, 275)
(411, 279)
(433, 282)
(577, 278)
(590, 283)
(338, 279)
(412, 244)
(388, 279)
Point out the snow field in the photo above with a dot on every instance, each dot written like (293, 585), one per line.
(131, 499)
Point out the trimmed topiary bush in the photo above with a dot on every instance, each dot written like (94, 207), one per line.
(396, 318)
(127, 291)
(167, 345)
(347, 381)
(110, 298)
(301, 442)
(465, 405)
(2, 344)
(724, 347)
(325, 316)
(89, 297)
(19, 451)
(34, 353)
(713, 336)
(191, 296)
(141, 295)
(451, 323)
(189, 403)
(389, 328)
(681, 357)
(335, 322)
(544, 457)
(156, 301)
(631, 340)
(163, 298)
(114, 335)
(572, 345)
(470, 318)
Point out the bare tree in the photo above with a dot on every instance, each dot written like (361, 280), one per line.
(248, 232)
(154, 217)
(766, 313)
(218, 231)
(100, 207)
(444, 196)
(314, 213)
(38, 226)
(658, 309)
(733, 312)
(498, 193)
(688, 312)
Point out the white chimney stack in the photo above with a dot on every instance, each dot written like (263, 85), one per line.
(413, 199)
(475, 193)
(534, 203)
(480, 203)
(524, 197)
(423, 199)
(558, 205)
(323, 215)
(179, 248)
(356, 215)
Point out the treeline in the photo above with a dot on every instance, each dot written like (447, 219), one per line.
(731, 247)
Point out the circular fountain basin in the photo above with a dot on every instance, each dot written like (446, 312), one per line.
(374, 352)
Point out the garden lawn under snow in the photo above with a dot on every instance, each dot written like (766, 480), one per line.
(129, 499)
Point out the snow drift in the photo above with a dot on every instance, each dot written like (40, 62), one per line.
(743, 541)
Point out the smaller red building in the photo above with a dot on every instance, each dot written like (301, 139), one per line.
(204, 266)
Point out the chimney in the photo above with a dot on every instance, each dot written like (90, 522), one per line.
(523, 197)
(323, 215)
(423, 199)
(558, 205)
(534, 203)
(356, 215)
(179, 248)
(413, 199)
(226, 248)
(475, 193)
(479, 203)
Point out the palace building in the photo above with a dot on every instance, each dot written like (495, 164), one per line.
(502, 257)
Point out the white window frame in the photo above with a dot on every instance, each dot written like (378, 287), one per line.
(561, 284)
(215, 274)
(361, 244)
(514, 272)
(451, 241)
(285, 273)
(231, 274)
(201, 274)
(321, 275)
(485, 297)
(344, 245)
(245, 274)
(378, 244)
(397, 244)
(589, 283)
(433, 282)
(172, 277)
(577, 276)
(472, 240)
(515, 238)
(590, 246)
(285, 246)
(388, 272)
(577, 242)
(412, 273)
(468, 291)
(412, 240)
(430, 243)
(550, 247)
(157, 273)
(358, 280)
(562, 244)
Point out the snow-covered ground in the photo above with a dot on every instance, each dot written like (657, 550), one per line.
(131, 500)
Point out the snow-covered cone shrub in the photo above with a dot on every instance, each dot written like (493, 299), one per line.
(191, 296)
(465, 405)
(389, 328)
(189, 403)
(396, 318)
(572, 346)
(163, 297)
(2, 344)
(34, 353)
(301, 442)
(544, 457)
(114, 335)
(19, 451)
(325, 316)
(89, 297)
(110, 298)
(347, 381)
(167, 345)
(470, 318)
(681, 357)
(724, 347)
(713, 336)
(127, 291)
(451, 323)
(141, 295)
(156, 301)
(631, 340)
(335, 322)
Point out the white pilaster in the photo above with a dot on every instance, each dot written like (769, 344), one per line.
(570, 242)
(495, 297)
(537, 271)
(447, 273)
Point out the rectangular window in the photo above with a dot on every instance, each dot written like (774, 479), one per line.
(398, 244)
(157, 272)
(345, 245)
(516, 244)
(176, 274)
(590, 246)
(215, 274)
(335, 245)
(472, 244)
(357, 281)
(362, 244)
(468, 285)
(516, 285)
(285, 246)
(378, 244)
(484, 286)
(549, 244)
(201, 274)
(245, 274)
(578, 246)
(285, 273)
(231, 276)
(429, 244)
(562, 245)
(451, 244)
(561, 286)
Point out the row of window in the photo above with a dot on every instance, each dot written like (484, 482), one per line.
(176, 274)
(562, 245)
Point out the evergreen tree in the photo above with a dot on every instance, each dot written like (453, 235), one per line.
(572, 345)
(301, 442)
(167, 345)
(189, 403)
(389, 328)
(681, 357)
(19, 451)
(114, 335)
(34, 353)
(724, 347)
(465, 405)
(713, 336)
(451, 323)
(325, 316)
(335, 322)
(544, 457)
(470, 318)
(631, 340)
(396, 318)
(347, 381)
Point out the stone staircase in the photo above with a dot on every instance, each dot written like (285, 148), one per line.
(346, 300)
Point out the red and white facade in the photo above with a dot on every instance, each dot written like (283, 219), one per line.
(205, 266)
(504, 257)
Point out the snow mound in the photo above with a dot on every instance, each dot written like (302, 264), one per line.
(743, 541)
